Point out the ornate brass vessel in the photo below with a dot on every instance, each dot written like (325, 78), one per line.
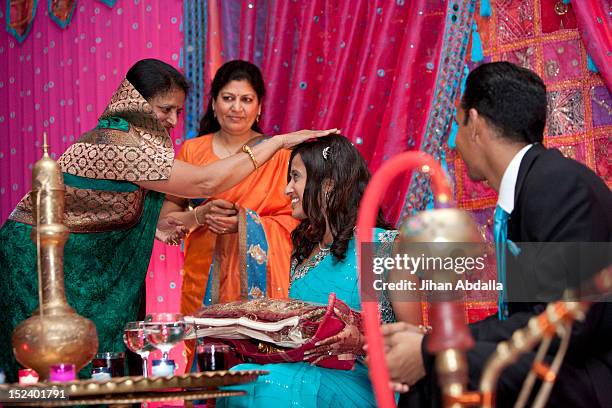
(445, 228)
(449, 231)
(55, 333)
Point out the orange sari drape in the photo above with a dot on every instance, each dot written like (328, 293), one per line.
(262, 192)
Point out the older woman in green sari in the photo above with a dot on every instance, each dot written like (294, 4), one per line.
(116, 176)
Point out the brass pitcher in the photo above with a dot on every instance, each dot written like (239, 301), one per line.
(55, 333)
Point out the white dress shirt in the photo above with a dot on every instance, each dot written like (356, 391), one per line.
(508, 182)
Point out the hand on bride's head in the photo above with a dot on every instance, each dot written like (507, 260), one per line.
(290, 140)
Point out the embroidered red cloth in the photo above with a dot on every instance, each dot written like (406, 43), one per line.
(277, 330)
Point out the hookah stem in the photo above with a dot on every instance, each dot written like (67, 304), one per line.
(365, 222)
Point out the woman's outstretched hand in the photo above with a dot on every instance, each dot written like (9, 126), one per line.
(293, 139)
(170, 231)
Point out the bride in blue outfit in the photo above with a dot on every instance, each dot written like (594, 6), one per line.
(326, 181)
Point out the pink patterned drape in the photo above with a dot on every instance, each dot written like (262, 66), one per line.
(594, 19)
(538, 35)
(59, 81)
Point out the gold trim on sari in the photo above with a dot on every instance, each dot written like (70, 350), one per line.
(143, 153)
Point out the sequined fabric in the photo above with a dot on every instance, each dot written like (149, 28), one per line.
(312, 323)
(301, 384)
(530, 33)
(299, 271)
(456, 36)
(386, 239)
(262, 309)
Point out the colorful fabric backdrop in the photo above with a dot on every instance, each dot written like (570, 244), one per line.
(366, 67)
(544, 36)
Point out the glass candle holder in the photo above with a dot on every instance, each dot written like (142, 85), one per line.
(163, 368)
(27, 376)
(212, 357)
(2, 376)
(62, 373)
(101, 374)
(115, 362)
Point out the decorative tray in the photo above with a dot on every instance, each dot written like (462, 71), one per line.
(131, 385)
(126, 400)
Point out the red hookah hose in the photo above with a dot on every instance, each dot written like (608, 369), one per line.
(366, 220)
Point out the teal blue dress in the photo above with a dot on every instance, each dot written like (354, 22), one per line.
(302, 384)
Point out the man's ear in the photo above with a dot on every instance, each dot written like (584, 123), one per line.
(476, 123)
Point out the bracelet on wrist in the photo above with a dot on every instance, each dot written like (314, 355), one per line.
(248, 151)
(195, 215)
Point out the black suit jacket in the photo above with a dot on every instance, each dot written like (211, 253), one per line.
(556, 200)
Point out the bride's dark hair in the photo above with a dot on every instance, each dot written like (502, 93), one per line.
(336, 177)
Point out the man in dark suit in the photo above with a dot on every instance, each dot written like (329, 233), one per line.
(546, 198)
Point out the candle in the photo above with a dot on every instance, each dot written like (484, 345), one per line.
(27, 376)
(2, 376)
(62, 373)
(163, 368)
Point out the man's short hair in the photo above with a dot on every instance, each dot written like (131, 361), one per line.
(511, 98)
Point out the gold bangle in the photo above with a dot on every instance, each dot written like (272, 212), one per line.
(195, 215)
(248, 151)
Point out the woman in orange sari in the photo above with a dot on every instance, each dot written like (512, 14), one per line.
(239, 244)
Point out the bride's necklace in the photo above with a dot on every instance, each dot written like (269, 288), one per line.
(298, 272)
